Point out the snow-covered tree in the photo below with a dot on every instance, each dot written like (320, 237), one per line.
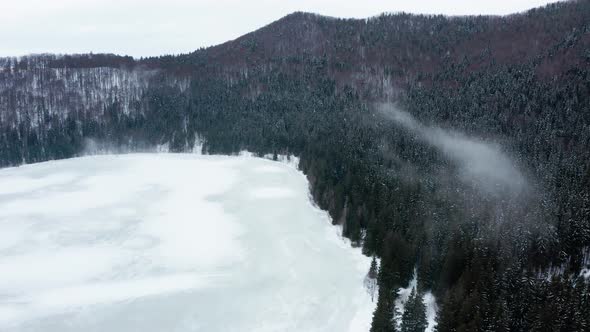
(414, 317)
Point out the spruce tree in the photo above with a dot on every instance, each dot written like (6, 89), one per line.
(371, 279)
(383, 315)
(373, 269)
(414, 317)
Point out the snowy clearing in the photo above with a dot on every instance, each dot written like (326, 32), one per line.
(172, 242)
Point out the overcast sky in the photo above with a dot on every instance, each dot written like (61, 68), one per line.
(155, 27)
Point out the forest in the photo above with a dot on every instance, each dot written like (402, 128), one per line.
(368, 105)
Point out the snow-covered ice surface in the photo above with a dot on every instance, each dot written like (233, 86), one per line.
(172, 242)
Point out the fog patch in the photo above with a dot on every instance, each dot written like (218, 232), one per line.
(93, 147)
(481, 164)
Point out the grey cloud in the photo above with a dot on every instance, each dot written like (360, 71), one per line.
(481, 163)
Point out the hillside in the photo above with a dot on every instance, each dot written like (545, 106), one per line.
(412, 130)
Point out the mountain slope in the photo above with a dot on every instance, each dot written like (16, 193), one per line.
(516, 87)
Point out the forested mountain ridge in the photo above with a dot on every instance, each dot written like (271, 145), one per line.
(403, 46)
(518, 86)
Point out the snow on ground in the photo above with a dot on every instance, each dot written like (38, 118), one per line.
(431, 310)
(585, 272)
(172, 242)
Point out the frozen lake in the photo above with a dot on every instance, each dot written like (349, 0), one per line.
(172, 242)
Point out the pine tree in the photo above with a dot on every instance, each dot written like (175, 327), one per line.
(414, 317)
(371, 279)
(383, 315)
(373, 269)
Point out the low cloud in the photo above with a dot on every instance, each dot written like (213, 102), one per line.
(480, 163)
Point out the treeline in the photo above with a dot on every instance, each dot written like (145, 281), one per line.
(306, 85)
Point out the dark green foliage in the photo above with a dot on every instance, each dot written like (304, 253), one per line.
(383, 315)
(414, 317)
(373, 269)
(306, 86)
(384, 312)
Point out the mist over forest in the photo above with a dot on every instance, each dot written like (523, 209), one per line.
(455, 148)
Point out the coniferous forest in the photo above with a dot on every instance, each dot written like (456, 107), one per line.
(324, 89)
